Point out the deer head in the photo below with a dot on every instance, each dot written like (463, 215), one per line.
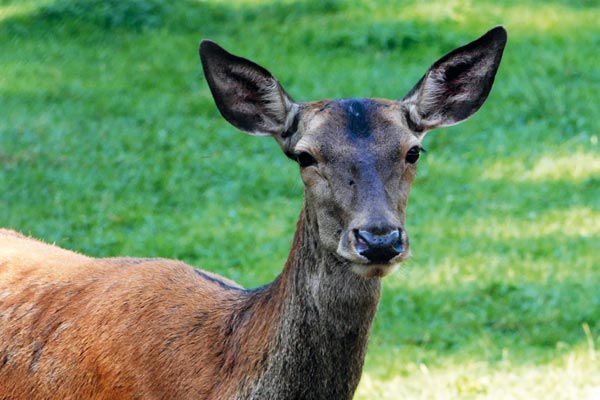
(357, 157)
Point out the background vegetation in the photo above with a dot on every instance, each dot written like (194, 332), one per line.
(110, 145)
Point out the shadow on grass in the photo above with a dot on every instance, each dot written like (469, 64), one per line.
(509, 288)
(144, 15)
(299, 22)
(288, 24)
(534, 322)
(519, 200)
(573, 4)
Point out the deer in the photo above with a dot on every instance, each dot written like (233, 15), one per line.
(77, 327)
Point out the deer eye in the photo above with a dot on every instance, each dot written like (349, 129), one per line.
(413, 154)
(304, 159)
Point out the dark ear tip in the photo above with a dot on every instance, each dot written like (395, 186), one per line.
(207, 46)
(497, 34)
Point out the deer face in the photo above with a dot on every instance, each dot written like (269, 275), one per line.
(357, 157)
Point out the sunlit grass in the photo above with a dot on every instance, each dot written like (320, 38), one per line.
(523, 18)
(563, 379)
(576, 166)
(12, 10)
(574, 222)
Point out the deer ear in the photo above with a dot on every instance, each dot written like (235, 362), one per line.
(456, 86)
(247, 95)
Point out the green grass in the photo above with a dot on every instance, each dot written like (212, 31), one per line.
(110, 145)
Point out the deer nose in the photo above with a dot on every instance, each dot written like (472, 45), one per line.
(378, 248)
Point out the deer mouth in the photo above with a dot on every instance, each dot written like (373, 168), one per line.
(373, 271)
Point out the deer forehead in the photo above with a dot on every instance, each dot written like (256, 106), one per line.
(354, 127)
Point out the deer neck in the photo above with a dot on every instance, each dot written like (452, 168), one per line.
(322, 325)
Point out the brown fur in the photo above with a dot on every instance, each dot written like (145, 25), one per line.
(64, 335)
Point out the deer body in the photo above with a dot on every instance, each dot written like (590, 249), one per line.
(72, 326)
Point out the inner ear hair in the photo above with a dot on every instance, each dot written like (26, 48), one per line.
(456, 86)
(246, 94)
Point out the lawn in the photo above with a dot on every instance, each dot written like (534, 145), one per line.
(110, 144)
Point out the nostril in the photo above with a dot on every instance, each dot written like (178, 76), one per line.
(362, 242)
(397, 243)
(371, 239)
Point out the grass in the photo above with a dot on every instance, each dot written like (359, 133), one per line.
(110, 145)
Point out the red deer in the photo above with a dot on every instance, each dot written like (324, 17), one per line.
(76, 327)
